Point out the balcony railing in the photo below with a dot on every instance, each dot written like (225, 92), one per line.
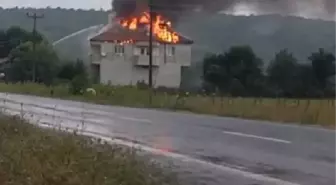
(143, 60)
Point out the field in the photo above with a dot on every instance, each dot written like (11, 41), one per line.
(304, 111)
(34, 156)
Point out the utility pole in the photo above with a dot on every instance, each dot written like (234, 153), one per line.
(150, 73)
(34, 16)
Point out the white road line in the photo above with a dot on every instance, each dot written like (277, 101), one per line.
(225, 169)
(135, 119)
(185, 158)
(257, 137)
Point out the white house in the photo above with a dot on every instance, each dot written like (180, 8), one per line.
(119, 56)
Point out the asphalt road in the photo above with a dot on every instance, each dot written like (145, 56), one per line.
(205, 150)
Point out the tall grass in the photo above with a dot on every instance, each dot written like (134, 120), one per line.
(34, 156)
(304, 111)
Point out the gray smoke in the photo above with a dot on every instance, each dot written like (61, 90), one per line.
(322, 9)
(330, 6)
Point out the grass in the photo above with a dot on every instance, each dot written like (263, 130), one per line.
(304, 111)
(34, 156)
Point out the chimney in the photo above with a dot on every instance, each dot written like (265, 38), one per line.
(111, 18)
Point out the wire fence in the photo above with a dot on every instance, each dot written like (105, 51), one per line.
(321, 112)
(67, 121)
(51, 116)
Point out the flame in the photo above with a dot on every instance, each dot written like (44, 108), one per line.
(162, 28)
(133, 24)
(144, 19)
(126, 42)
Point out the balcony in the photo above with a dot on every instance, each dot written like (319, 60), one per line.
(143, 60)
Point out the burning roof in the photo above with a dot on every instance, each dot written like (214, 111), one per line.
(136, 28)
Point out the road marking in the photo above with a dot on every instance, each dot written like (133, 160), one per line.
(257, 137)
(225, 169)
(135, 119)
(185, 158)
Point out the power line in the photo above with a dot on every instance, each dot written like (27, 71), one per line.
(34, 16)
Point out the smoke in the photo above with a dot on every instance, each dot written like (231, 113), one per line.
(322, 9)
(171, 8)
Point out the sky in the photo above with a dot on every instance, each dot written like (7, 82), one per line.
(305, 7)
(82, 4)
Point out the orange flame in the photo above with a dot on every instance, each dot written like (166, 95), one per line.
(126, 42)
(133, 24)
(161, 28)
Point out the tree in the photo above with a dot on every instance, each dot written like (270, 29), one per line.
(70, 69)
(78, 84)
(283, 74)
(4, 44)
(307, 85)
(238, 70)
(22, 57)
(80, 68)
(66, 71)
(246, 67)
(16, 35)
(323, 64)
(13, 37)
(214, 74)
(76, 73)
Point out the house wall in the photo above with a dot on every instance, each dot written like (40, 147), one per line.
(128, 69)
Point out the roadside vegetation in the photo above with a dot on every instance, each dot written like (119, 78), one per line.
(31, 155)
(305, 111)
(236, 83)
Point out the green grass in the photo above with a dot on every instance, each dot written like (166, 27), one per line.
(35, 156)
(303, 111)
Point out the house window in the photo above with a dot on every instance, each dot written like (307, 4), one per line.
(170, 51)
(155, 51)
(136, 51)
(119, 49)
(139, 51)
(144, 51)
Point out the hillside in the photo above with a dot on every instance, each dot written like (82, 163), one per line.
(57, 22)
(266, 34)
(212, 33)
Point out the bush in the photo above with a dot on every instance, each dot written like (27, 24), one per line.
(78, 84)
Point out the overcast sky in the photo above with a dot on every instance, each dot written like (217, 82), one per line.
(83, 4)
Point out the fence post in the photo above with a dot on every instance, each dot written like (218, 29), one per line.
(4, 101)
(177, 97)
(164, 103)
(222, 101)
(83, 116)
(4, 105)
(213, 98)
(53, 117)
(22, 111)
(305, 113)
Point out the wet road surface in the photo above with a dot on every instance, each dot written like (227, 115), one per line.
(205, 150)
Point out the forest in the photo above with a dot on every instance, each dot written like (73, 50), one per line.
(266, 34)
(291, 44)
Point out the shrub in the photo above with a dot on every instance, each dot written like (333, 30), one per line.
(78, 84)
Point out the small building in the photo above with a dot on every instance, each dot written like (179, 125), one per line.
(120, 56)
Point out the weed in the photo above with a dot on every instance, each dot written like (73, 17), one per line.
(33, 156)
(315, 112)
